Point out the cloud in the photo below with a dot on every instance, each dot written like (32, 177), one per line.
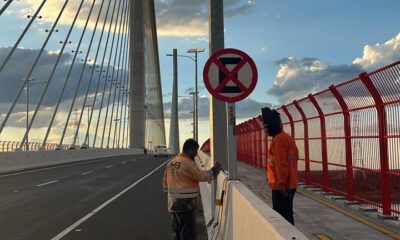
(19, 66)
(378, 55)
(190, 18)
(298, 77)
(263, 49)
(174, 17)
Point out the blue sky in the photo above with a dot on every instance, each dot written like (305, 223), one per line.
(298, 46)
(331, 31)
(285, 38)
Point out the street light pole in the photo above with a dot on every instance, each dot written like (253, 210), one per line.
(27, 114)
(88, 113)
(27, 110)
(196, 96)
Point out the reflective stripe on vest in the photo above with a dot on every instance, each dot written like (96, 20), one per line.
(183, 193)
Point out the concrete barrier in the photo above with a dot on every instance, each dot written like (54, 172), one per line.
(17, 161)
(242, 215)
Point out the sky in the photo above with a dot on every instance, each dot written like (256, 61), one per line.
(299, 47)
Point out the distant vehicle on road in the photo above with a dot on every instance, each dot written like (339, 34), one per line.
(160, 150)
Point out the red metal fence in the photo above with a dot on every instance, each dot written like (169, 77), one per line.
(348, 137)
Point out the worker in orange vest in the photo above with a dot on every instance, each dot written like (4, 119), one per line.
(281, 165)
(181, 182)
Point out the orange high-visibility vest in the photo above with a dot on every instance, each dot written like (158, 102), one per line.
(181, 182)
(282, 162)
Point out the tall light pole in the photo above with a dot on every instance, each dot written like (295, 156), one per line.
(195, 96)
(194, 114)
(196, 103)
(89, 107)
(28, 84)
(27, 112)
(174, 127)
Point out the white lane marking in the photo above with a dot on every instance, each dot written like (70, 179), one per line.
(110, 166)
(86, 173)
(89, 215)
(46, 183)
(123, 162)
(134, 160)
(66, 165)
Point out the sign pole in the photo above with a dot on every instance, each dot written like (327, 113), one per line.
(218, 134)
(231, 123)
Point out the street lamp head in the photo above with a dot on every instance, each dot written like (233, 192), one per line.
(168, 54)
(195, 50)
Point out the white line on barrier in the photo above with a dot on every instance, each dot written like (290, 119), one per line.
(86, 173)
(47, 183)
(89, 215)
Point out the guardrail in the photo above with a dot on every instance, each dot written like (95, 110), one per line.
(17, 161)
(348, 137)
(242, 214)
(11, 146)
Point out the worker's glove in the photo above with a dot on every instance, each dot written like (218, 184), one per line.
(216, 169)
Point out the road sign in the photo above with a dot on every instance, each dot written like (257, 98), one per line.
(230, 75)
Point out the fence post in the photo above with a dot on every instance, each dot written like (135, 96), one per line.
(325, 173)
(306, 146)
(383, 143)
(348, 147)
(284, 108)
(260, 129)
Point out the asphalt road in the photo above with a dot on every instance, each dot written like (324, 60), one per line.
(116, 198)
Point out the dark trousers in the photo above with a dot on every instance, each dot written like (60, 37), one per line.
(184, 225)
(284, 204)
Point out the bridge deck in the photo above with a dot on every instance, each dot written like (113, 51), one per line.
(83, 201)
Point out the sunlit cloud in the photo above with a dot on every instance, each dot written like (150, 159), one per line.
(298, 77)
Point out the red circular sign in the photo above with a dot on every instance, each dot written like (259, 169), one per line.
(230, 75)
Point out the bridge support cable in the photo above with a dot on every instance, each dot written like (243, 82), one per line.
(76, 51)
(124, 89)
(94, 66)
(118, 78)
(124, 101)
(50, 79)
(153, 107)
(108, 77)
(113, 81)
(35, 15)
(80, 77)
(32, 68)
(101, 71)
(122, 86)
(4, 8)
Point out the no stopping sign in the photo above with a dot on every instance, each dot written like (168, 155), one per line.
(230, 75)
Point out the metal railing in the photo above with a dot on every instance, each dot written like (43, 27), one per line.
(348, 138)
(12, 146)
